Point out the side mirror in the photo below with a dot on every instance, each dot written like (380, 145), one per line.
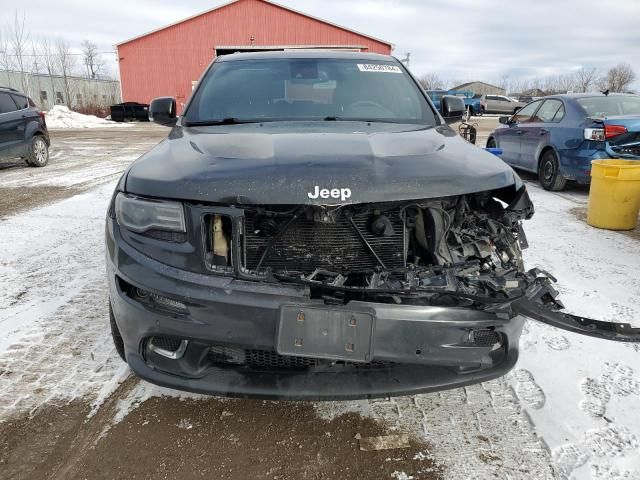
(163, 111)
(505, 120)
(452, 108)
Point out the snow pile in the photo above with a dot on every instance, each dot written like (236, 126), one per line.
(61, 117)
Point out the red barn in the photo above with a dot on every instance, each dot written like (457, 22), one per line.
(169, 60)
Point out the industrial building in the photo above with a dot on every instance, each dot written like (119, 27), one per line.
(75, 92)
(170, 60)
(481, 88)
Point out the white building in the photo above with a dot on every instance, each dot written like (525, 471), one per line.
(49, 90)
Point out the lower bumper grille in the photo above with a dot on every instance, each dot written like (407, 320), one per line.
(170, 344)
(268, 360)
(484, 338)
(308, 244)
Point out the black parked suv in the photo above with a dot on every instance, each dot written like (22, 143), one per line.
(23, 130)
(312, 228)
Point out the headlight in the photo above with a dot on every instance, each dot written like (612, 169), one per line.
(140, 215)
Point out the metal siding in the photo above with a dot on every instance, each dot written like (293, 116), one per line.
(165, 62)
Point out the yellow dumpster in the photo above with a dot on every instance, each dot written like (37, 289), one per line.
(614, 196)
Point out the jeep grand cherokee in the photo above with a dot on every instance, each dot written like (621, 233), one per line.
(312, 228)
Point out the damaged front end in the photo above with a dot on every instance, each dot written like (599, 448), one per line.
(460, 251)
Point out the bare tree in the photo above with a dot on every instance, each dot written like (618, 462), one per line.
(36, 67)
(620, 77)
(19, 40)
(505, 83)
(586, 78)
(92, 59)
(558, 83)
(49, 63)
(65, 63)
(431, 81)
(5, 58)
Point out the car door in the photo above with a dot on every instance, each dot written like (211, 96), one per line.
(510, 140)
(536, 133)
(504, 105)
(27, 115)
(11, 125)
(493, 103)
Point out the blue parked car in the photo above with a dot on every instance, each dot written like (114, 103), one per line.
(558, 136)
(472, 105)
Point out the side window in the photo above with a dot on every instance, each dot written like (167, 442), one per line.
(492, 97)
(525, 114)
(559, 114)
(59, 98)
(548, 110)
(21, 101)
(6, 104)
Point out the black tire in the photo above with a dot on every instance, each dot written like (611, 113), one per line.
(38, 155)
(115, 334)
(549, 172)
(491, 142)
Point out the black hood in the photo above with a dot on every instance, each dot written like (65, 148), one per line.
(283, 163)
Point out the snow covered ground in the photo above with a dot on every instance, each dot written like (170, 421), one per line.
(568, 410)
(61, 117)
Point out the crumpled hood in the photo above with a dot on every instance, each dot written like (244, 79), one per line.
(269, 164)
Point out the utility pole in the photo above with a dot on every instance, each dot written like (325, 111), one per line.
(405, 60)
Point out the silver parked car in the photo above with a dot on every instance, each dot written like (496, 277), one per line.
(501, 104)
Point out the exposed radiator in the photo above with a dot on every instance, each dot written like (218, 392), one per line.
(308, 245)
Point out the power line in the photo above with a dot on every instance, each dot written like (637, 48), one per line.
(52, 53)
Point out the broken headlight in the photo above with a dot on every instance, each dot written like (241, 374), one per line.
(141, 215)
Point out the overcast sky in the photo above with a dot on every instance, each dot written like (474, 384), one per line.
(458, 39)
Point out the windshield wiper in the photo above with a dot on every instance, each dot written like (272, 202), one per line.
(364, 120)
(224, 121)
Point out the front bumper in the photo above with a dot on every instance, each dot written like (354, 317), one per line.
(414, 349)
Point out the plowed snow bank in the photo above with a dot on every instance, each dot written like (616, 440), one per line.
(61, 117)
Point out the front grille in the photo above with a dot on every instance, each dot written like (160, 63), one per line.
(308, 245)
(630, 151)
(222, 355)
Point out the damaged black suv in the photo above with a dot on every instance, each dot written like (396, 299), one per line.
(312, 228)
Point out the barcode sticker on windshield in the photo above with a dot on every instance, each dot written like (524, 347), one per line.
(378, 67)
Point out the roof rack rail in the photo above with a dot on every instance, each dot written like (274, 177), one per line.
(9, 88)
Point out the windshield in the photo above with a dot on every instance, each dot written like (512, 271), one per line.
(611, 105)
(308, 89)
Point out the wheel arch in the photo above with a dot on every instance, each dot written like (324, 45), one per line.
(544, 150)
(33, 129)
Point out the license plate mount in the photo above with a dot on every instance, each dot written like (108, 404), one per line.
(325, 332)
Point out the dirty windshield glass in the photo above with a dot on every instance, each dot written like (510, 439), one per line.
(611, 105)
(309, 89)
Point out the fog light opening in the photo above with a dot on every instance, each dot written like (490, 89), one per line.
(164, 348)
(159, 301)
(484, 337)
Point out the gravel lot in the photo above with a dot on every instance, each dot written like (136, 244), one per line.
(69, 408)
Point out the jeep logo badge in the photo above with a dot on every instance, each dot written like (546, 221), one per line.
(341, 193)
